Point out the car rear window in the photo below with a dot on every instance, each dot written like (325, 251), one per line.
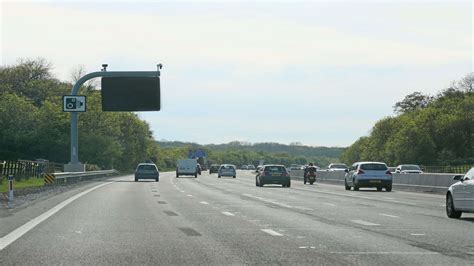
(146, 167)
(410, 167)
(227, 167)
(373, 166)
(275, 169)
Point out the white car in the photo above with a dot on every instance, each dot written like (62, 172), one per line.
(186, 167)
(408, 169)
(460, 195)
(368, 174)
(336, 167)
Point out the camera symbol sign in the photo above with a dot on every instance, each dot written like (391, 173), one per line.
(74, 103)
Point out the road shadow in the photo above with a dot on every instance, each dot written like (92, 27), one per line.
(132, 181)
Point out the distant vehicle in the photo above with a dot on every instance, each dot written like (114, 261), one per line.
(227, 170)
(272, 174)
(368, 174)
(147, 171)
(186, 167)
(336, 167)
(198, 169)
(214, 168)
(244, 167)
(460, 195)
(409, 169)
(392, 169)
(295, 167)
(251, 167)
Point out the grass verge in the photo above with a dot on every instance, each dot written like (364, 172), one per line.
(24, 183)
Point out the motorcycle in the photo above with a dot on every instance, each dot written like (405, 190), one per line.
(310, 177)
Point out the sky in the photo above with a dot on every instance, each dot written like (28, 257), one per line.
(316, 72)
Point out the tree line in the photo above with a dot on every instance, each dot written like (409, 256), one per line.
(426, 130)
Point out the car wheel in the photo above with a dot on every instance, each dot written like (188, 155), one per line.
(311, 182)
(195, 175)
(388, 189)
(289, 184)
(256, 182)
(346, 186)
(450, 210)
(177, 175)
(379, 188)
(136, 180)
(260, 184)
(156, 179)
(218, 176)
(356, 187)
(234, 176)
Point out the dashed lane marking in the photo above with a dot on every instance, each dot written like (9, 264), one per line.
(271, 232)
(228, 213)
(203, 202)
(362, 222)
(388, 215)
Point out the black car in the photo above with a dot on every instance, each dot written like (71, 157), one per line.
(214, 168)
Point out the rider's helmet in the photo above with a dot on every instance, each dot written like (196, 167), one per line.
(311, 164)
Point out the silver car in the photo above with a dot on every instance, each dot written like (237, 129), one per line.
(368, 174)
(147, 171)
(409, 169)
(227, 170)
(460, 195)
(335, 167)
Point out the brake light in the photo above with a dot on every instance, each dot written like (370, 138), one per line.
(360, 172)
(388, 173)
(285, 173)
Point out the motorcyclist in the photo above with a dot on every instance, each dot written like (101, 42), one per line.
(309, 169)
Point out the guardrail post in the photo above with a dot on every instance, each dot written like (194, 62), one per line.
(10, 190)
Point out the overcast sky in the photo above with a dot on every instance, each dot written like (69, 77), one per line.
(317, 72)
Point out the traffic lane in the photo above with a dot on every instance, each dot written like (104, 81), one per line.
(399, 220)
(324, 230)
(10, 219)
(147, 222)
(252, 239)
(119, 223)
(401, 197)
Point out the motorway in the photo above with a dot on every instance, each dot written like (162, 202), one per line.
(207, 220)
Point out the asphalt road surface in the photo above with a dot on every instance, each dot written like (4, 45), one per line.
(207, 220)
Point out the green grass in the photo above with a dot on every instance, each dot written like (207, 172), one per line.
(24, 183)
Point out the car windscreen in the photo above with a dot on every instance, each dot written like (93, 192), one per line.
(275, 169)
(373, 166)
(147, 167)
(411, 167)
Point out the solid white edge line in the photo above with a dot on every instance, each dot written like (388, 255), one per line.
(271, 232)
(20, 231)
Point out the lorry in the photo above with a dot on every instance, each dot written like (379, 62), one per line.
(186, 167)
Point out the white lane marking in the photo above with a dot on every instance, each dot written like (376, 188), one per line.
(443, 205)
(415, 234)
(228, 213)
(189, 195)
(362, 222)
(182, 191)
(382, 253)
(388, 215)
(20, 231)
(303, 247)
(271, 232)
(303, 208)
(203, 202)
(330, 204)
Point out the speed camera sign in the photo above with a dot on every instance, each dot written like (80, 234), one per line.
(74, 103)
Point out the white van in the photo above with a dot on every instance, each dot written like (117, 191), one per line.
(186, 167)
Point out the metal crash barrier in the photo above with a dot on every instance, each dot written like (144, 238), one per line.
(74, 177)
